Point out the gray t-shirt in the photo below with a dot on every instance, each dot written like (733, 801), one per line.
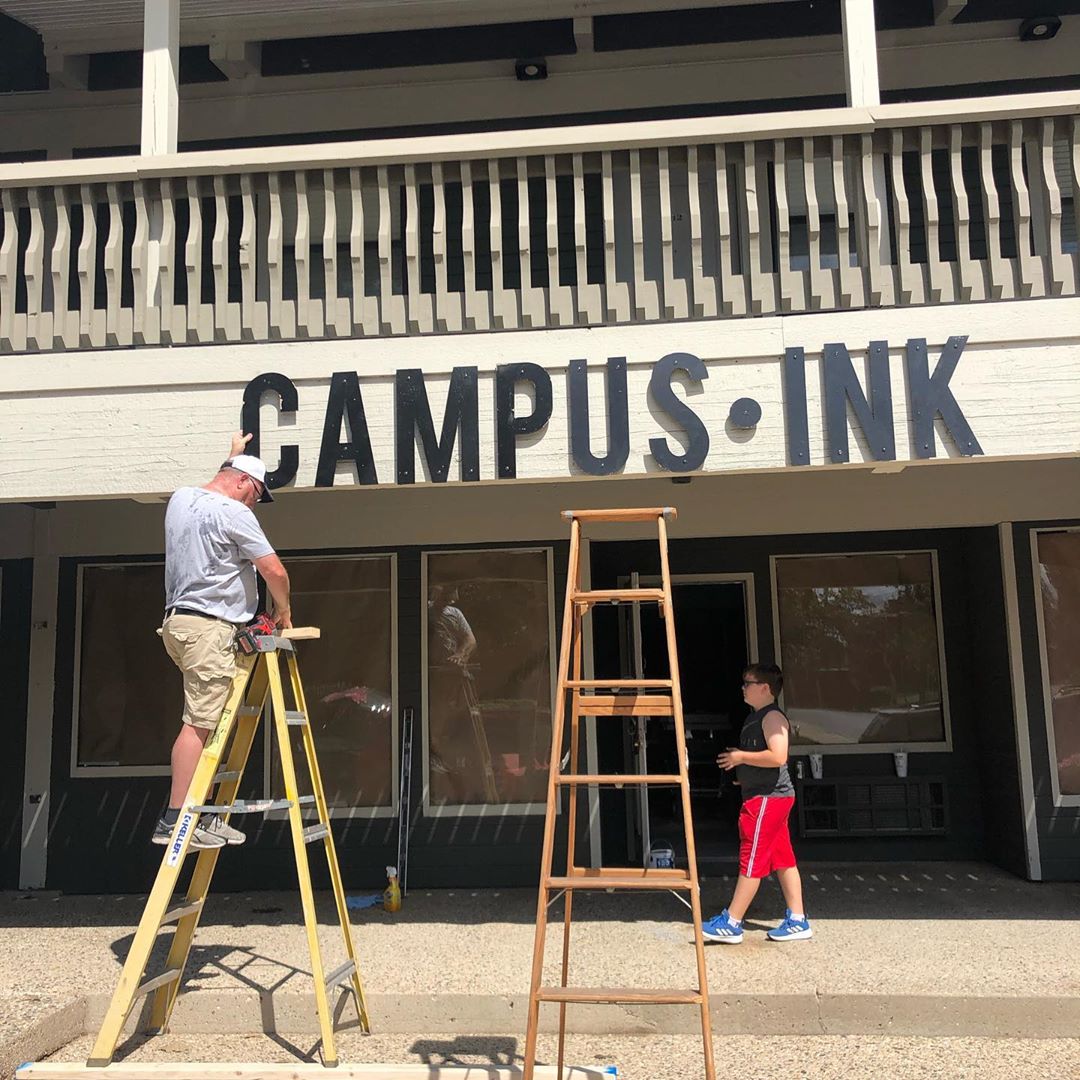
(210, 544)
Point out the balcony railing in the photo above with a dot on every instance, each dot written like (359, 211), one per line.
(727, 217)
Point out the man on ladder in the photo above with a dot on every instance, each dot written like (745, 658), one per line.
(213, 546)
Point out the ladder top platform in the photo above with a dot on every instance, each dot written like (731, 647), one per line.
(650, 513)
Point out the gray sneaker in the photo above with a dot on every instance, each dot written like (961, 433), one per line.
(215, 826)
(201, 839)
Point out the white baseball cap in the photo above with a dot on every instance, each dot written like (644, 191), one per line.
(255, 468)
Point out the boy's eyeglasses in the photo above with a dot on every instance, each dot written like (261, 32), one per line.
(752, 682)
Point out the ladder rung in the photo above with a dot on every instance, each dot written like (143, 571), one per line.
(671, 873)
(249, 710)
(648, 513)
(295, 717)
(251, 806)
(226, 774)
(340, 974)
(618, 684)
(618, 779)
(580, 882)
(618, 596)
(177, 913)
(618, 995)
(314, 832)
(159, 980)
(625, 705)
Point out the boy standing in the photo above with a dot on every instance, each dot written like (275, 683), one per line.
(768, 797)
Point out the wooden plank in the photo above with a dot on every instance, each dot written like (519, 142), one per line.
(301, 633)
(1028, 271)
(448, 312)
(939, 277)
(618, 779)
(658, 874)
(629, 705)
(9, 262)
(999, 283)
(618, 995)
(335, 315)
(616, 292)
(38, 326)
(113, 261)
(646, 302)
(476, 307)
(65, 323)
(703, 294)
(791, 292)
(163, 1070)
(589, 300)
(733, 288)
(639, 884)
(560, 303)
(167, 263)
(969, 282)
(618, 684)
(624, 515)
(1058, 265)
(674, 301)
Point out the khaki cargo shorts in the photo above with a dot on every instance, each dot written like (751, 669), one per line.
(203, 650)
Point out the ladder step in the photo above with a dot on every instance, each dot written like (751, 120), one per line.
(618, 684)
(625, 705)
(315, 832)
(177, 913)
(251, 806)
(295, 718)
(226, 774)
(249, 710)
(630, 878)
(618, 995)
(617, 779)
(618, 596)
(342, 973)
(159, 980)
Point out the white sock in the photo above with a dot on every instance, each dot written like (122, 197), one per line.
(735, 922)
(800, 917)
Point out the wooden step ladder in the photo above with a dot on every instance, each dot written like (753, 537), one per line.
(213, 791)
(604, 698)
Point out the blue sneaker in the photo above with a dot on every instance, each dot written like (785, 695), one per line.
(721, 928)
(791, 929)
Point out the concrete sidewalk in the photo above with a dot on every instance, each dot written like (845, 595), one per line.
(929, 950)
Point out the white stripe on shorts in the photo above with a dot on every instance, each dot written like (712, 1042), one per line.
(757, 831)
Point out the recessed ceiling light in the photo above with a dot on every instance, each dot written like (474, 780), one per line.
(1040, 29)
(530, 70)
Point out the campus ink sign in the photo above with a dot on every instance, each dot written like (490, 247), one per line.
(346, 437)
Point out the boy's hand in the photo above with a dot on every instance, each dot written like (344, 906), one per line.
(729, 759)
(239, 443)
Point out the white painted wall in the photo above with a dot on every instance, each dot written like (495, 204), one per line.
(136, 423)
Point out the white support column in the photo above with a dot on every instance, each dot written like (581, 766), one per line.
(947, 10)
(1019, 702)
(583, 34)
(161, 75)
(860, 53)
(39, 707)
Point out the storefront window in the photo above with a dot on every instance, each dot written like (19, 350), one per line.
(130, 694)
(860, 650)
(348, 678)
(488, 677)
(1059, 585)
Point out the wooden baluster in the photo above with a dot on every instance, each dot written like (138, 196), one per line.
(734, 299)
(476, 307)
(999, 273)
(589, 297)
(167, 265)
(91, 325)
(1029, 272)
(335, 317)
(617, 306)
(65, 322)
(116, 333)
(38, 326)
(703, 295)
(849, 290)
(969, 283)
(792, 290)
(1058, 266)
(911, 274)
(226, 322)
(646, 294)
(938, 274)
(12, 329)
(676, 301)
(448, 306)
(560, 302)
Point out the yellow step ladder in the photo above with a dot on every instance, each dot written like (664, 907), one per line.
(213, 791)
(611, 698)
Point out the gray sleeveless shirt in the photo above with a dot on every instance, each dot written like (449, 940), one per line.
(755, 779)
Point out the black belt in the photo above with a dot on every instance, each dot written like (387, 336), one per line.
(187, 611)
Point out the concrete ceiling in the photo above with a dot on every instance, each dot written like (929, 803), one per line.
(71, 19)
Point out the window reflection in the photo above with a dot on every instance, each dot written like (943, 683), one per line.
(347, 676)
(1059, 581)
(859, 642)
(488, 677)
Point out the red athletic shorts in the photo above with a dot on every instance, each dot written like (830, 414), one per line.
(764, 838)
